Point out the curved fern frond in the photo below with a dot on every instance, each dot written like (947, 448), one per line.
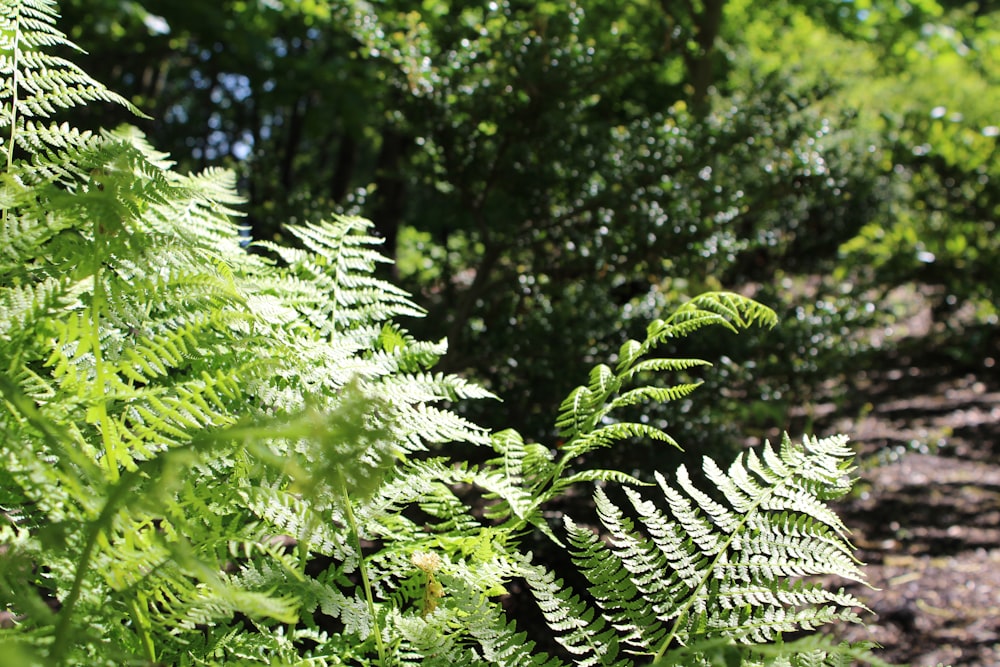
(588, 407)
(735, 310)
(607, 436)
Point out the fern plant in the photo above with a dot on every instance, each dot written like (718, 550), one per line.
(216, 457)
(174, 405)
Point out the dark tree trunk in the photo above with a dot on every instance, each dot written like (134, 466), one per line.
(390, 189)
(701, 24)
(296, 119)
(343, 168)
(700, 67)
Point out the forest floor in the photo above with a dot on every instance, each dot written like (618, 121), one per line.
(926, 512)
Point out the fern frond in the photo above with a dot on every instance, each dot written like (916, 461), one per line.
(597, 475)
(737, 311)
(582, 632)
(339, 259)
(737, 568)
(429, 388)
(657, 365)
(607, 436)
(589, 407)
(623, 579)
(38, 84)
(583, 408)
(656, 394)
(23, 306)
(427, 424)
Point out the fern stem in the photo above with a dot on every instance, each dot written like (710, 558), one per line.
(98, 392)
(63, 631)
(369, 597)
(15, 50)
(141, 624)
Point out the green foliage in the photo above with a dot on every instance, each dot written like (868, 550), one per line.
(213, 456)
(553, 175)
(940, 136)
(563, 163)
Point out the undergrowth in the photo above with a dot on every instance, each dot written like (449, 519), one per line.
(214, 457)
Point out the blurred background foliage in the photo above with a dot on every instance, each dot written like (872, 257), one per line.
(551, 175)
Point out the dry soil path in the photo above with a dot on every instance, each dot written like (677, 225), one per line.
(926, 517)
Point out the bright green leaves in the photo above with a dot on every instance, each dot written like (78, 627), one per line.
(340, 261)
(213, 456)
(352, 446)
(586, 417)
(174, 403)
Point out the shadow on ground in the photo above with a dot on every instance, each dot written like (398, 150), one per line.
(926, 515)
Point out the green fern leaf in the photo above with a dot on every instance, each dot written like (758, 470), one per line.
(581, 632)
(657, 394)
(732, 569)
(38, 84)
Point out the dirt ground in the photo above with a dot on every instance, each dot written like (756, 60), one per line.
(926, 514)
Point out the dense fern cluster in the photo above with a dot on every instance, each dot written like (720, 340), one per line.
(215, 456)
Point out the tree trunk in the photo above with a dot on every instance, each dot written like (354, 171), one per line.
(700, 66)
(390, 189)
(343, 168)
(700, 24)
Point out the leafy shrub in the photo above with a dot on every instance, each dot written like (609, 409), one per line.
(215, 457)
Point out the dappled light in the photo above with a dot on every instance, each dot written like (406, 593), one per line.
(376, 361)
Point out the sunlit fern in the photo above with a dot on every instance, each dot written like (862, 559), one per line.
(214, 457)
(686, 567)
(173, 403)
